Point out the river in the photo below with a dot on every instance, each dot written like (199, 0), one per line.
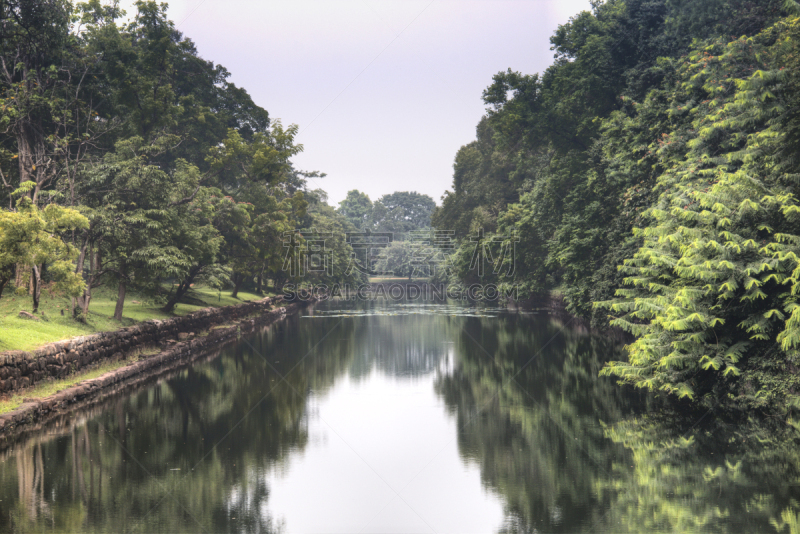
(392, 417)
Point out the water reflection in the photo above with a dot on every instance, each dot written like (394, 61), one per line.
(402, 418)
(185, 455)
(570, 452)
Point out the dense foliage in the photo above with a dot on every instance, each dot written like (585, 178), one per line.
(127, 159)
(395, 233)
(649, 176)
(397, 213)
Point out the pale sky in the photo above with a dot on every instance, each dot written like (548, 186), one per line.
(384, 92)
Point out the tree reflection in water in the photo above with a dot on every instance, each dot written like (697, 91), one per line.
(104, 475)
(565, 450)
(571, 452)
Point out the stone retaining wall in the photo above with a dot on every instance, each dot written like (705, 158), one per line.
(174, 354)
(21, 369)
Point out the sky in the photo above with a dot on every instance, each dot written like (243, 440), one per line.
(384, 92)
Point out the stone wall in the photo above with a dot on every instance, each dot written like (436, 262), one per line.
(21, 369)
(32, 412)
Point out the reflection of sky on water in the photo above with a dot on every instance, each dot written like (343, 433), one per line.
(410, 309)
(382, 456)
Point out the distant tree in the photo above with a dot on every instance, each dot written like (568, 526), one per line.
(357, 208)
(403, 212)
(397, 258)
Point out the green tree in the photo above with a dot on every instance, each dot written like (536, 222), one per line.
(712, 296)
(259, 173)
(50, 100)
(357, 208)
(33, 237)
(402, 212)
(398, 259)
(135, 206)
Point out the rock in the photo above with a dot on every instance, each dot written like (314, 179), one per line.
(28, 315)
(183, 336)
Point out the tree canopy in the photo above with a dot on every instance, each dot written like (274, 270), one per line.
(649, 177)
(128, 159)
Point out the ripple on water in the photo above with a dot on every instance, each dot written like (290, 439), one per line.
(411, 309)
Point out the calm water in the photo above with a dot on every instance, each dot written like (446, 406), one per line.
(397, 418)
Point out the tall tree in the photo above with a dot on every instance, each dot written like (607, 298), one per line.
(403, 212)
(715, 282)
(357, 208)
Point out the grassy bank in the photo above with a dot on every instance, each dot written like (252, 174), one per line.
(44, 389)
(25, 334)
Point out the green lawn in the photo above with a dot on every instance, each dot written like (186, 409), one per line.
(25, 334)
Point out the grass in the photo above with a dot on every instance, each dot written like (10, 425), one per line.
(25, 334)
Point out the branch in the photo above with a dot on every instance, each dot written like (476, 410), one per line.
(185, 199)
(3, 176)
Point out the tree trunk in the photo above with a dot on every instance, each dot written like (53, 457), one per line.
(183, 288)
(33, 162)
(79, 270)
(260, 282)
(237, 282)
(80, 305)
(279, 281)
(123, 280)
(22, 277)
(36, 286)
(120, 299)
(6, 274)
(3, 281)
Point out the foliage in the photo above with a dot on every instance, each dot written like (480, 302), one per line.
(30, 237)
(714, 283)
(357, 208)
(398, 259)
(397, 213)
(402, 212)
(182, 178)
(653, 116)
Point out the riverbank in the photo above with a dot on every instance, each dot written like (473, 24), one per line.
(17, 333)
(178, 341)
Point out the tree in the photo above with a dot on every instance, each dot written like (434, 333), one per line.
(179, 174)
(713, 288)
(402, 212)
(398, 258)
(196, 234)
(48, 96)
(32, 237)
(357, 208)
(556, 157)
(258, 173)
(136, 207)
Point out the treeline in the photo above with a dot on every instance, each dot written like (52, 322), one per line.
(397, 213)
(398, 229)
(650, 176)
(128, 160)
